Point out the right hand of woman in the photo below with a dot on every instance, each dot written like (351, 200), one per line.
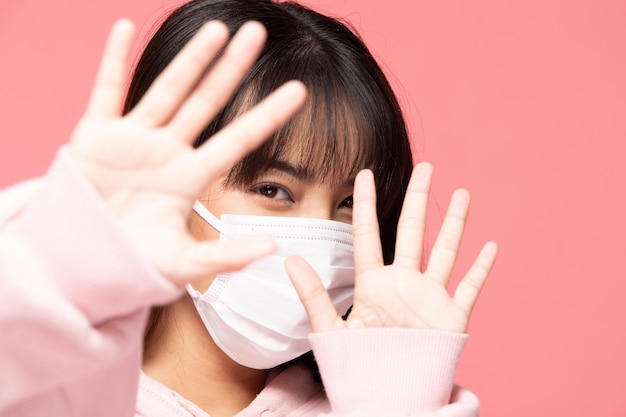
(142, 163)
(408, 293)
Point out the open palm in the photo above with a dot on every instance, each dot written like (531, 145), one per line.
(142, 163)
(402, 294)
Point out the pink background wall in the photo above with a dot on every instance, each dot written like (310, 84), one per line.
(524, 104)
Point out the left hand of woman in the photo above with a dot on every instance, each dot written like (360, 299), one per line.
(402, 294)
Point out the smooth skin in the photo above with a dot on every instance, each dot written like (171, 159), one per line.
(143, 165)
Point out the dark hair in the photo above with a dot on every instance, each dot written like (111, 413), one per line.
(351, 120)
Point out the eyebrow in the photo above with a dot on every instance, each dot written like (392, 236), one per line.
(300, 172)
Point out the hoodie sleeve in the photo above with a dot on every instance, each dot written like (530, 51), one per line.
(74, 299)
(393, 372)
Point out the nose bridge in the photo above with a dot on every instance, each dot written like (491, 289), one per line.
(316, 210)
(318, 204)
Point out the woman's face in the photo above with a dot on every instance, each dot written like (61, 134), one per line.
(286, 189)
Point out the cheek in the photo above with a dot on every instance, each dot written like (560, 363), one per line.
(200, 229)
(202, 284)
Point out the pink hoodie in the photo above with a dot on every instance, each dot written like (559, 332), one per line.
(74, 299)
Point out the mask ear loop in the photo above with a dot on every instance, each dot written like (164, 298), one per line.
(209, 217)
(216, 223)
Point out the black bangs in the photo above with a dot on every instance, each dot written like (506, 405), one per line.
(328, 139)
(350, 121)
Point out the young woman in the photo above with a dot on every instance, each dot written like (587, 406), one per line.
(331, 195)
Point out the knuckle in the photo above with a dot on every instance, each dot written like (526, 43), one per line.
(365, 229)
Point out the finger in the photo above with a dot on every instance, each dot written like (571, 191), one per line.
(202, 259)
(412, 222)
(247, 132)
(175, 83)
(217, 87)
(469, 288)
(108, 89)
(316, 301)
(367, 247)
(446, 247)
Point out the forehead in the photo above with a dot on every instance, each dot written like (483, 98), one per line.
(292, 164)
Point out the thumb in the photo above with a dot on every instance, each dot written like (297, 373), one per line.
(207, 258)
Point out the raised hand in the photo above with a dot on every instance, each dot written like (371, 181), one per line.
(143, 165)
(402, 294)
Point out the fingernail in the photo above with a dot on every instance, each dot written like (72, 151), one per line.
(365, 176)
(423, 169)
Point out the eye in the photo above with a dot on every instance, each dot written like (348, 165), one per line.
(272, 191)
(347, 203)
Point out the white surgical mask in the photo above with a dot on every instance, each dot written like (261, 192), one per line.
(254, 315)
